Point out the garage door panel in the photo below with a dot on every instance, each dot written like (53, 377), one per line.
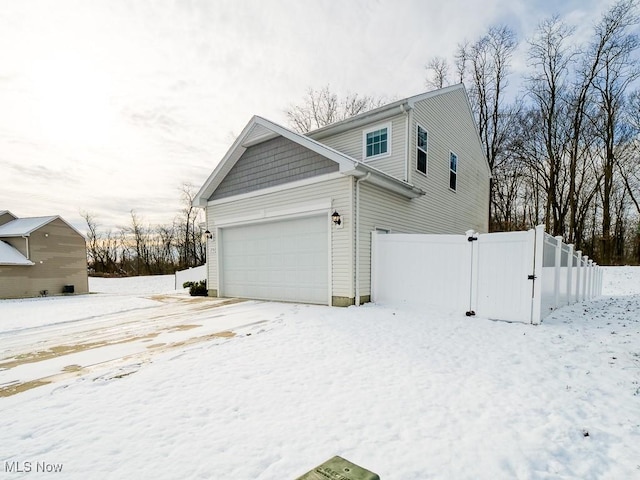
(284, 260)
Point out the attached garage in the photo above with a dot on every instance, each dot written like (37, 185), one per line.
(286, 260)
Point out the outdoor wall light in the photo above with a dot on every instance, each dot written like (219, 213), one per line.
(208, 234)
(336, 217)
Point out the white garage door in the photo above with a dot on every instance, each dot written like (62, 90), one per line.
(286, 260)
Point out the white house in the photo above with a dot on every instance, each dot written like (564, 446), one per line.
(291, 215)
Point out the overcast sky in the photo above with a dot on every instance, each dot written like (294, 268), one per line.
(108, 106)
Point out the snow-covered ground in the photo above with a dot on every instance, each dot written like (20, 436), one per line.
(407, 394)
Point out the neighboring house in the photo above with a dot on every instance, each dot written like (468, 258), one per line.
(413, 166)
(40, 256)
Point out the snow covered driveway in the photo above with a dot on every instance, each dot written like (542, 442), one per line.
(51, 339)
(408, 394)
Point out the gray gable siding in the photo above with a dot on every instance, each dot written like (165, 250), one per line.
(274, 162)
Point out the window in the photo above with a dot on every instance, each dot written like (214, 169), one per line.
(453, 170)
(421, 154)
(376, 142)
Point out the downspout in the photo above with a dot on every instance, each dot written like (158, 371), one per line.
(357, 276)
(406, 108)
(26, 241)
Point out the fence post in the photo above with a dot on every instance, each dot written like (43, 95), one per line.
(556, 271)
(585, 268)
(538, 250)
(578, 275)
(601, 274)
(569, 274)
(374, 263)
(590, 282)
(473, 281)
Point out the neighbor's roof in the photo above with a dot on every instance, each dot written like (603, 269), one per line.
(24, 226)
(11, 256)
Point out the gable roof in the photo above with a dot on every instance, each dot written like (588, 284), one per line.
(395, 108)
(23, 227)
(380, 113)
(10, 256)
(260, 129)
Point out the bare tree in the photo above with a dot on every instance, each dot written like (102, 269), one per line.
(484, 64)
(550, 56)
(323, 107)
(615, 70)
(438, 73)
(190, 243)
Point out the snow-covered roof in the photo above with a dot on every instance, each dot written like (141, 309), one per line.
(24, 226)
(11, 256)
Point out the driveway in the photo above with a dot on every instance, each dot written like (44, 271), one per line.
(123, 341)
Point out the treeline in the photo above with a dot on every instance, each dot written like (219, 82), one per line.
(136, 249)
(564, 150)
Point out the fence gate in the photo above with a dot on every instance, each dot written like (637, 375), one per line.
(512, 276)
(504, 293)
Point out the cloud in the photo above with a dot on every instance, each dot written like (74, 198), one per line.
(158, 86)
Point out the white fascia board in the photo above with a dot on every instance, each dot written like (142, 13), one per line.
(200, 200)
(434, 93)
(378, 114)
(278, 188)
(371, 117)
(344, 161)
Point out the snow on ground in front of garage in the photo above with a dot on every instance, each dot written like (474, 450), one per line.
(112, 295)
(408, 394)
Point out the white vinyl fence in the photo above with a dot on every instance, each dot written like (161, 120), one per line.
(513, 276)
(193, 274)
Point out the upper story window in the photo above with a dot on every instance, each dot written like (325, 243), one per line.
(422, 148)
(453, 171)
(377, 141)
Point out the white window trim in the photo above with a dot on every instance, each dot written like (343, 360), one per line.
(456, 172)
(364, 141)
(426, 174)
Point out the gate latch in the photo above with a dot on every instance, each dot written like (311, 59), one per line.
(531, 277)
(472, 239)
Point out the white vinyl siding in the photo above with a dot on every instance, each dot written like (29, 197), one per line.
(448, 120)
(351, 143)
(334, 192)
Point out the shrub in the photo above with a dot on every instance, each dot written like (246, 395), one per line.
(197, 289)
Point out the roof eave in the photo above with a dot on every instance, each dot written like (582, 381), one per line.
(386, 181)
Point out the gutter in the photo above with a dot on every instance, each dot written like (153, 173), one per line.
(357, 275)
(26, 240)
(366, 118)
(384, 180)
